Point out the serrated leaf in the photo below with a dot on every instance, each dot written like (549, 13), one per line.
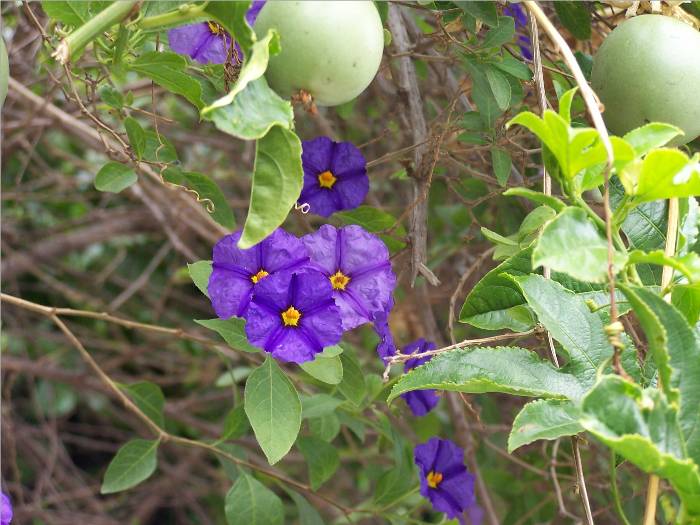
(663, 174)
(137, 137)
(688, 265)
(501, 163)
(686, 298)
(134, 463)
(207, 192)
(353, 384)
(232, 330)
(114, 177)
(277, 182)
(199, 273)
(149, 398)
(273, 409)
(651, 136)
(508, 370)
(326, 366)
(642, 426)
(575, 17)
(322, 459)
(544, 419)
(168, 70)
(572, 244)
(567, 317)
(249, 502)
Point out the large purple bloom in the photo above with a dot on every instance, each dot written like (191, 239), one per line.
(444, 479)
(293, 316)
(208, 42)
(236, 272)
(357, 265)
(419, 401)
(335, 176)
(386, 347)
(5, 509)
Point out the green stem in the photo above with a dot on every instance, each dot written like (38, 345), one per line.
(184, 13)
(615, 492)
(73, 44)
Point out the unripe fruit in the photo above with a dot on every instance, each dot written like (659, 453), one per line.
(648, 70)
(331, 49)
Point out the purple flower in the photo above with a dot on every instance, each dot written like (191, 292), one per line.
(293, 316)
(335, 176)
(236, 272)
(517, 12)
(419, 401)
(524, 45)
(357, 265)
(444, 479)
(208, 42)
(5, 509)
(386, 347)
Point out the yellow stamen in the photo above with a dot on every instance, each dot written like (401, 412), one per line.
(215, 28)
(339, 280)
(326, 179)
(291, 316)
(434, 479)
(256, 278)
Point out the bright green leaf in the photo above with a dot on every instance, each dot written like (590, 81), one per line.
(232, 330)
(686, 298)
(688, 265)
(168, 70)
(353, 384)
(199, 273)
(134, 463)
(249, 502)
(650, 136)
(231, 15)
(536, 196)
(137, 137)
(149, 398)
(664, 173)
(207, 193)
(318, 405)
(114, 177)
(235, 424)
(575, 17)
(544, 419)
(481, 10)
(326, 366)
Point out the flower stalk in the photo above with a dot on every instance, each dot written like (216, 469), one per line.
(184, 13)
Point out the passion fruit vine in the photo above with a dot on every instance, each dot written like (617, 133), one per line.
(330, 49)
(648, 70)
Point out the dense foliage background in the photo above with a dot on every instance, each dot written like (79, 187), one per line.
(432, 127)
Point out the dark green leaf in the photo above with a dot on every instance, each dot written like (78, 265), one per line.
(318, 405)
(501, 162)
(73, 13)
(514, 67)
(575, 17)
(353, 384)
(501, 34)
(149, 398)
(326, 427)
(207, 193)
(236, 424)
(114, 177)
(249, 502)
(134, 463)
(500, 87)
(544, 419)
(481, 10)
(308, 515)
(168, 70)
(137, 137)
(232, 330)
(321, 458)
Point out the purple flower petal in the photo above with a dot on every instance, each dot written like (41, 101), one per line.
(5, 509)
(517, 12)
(386, 347)
(444, 480)
(419, 401)
(335, 176)
(235, 272)
(360, 261)
(204, 42)
(293, 316)
(253, 11)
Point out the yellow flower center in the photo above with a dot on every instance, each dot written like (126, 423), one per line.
(291, 316)
(339, 280)
(434, 479)
(256, 278)
(326, 179)
(215, 28)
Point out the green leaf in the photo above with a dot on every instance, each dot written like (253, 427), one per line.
(253, 68)
(544, 419)
(575, 17)
(110, 96)
(376, 221)
(481, 10)
(149, 398)
(159, 148)
(326, 427)
(651, 136)
(277, 182)
(137, 137)
(501, 34)
(514, 67)
(688, 265)
(73, 13)
(353, 384)
(536, 196)
(168, 70)
(567, 317)
(641, 426)
(500, 87)
(114, 177)
(199, 273)
(235, 424)
(572, 244)
(249, 502)
(134, 463)
(676, 351)
(232, 330)
(326, 366)
(509, 370)
(231, 15)
(321, 458)
(308, 515)
(318, 405)
(501, 162)
(483, 95)
(686, 298)
(663, 174)
(273, 409)
(496, 302)
(254, 112)
(207, 193)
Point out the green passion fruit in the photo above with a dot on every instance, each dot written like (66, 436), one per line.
(648, 70)
(331, 49)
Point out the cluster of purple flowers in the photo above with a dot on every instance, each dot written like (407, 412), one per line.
(299, 295)
(517, 12)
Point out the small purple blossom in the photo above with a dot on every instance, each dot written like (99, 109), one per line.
(386, 347)
(208, 42)
(517, 12)
(335, 176)
(444, 479)
(5, 509)
(293, 316)
(419, 401)
(524, 45)
(236, 272)
(357, 265)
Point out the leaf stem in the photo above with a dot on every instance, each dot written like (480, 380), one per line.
(182, 14)
(615, 491)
